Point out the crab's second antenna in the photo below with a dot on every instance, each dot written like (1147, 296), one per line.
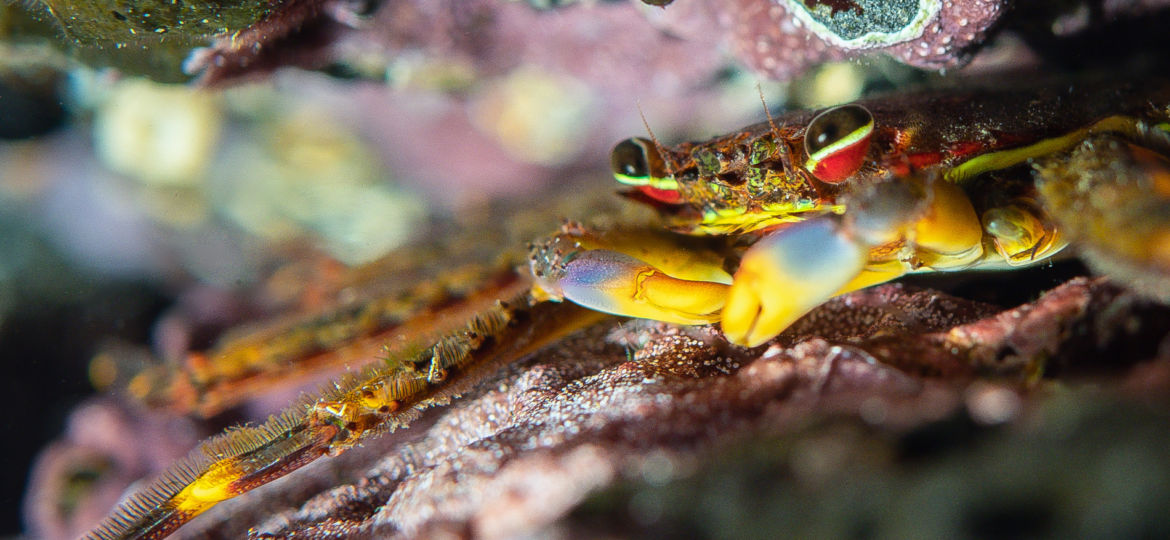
(657, 145)
(782, 144)
(771, 121)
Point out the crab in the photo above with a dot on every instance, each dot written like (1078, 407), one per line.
(757, 228)
(859, 194)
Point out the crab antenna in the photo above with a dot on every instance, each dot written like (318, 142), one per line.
(771, 121)
(657, 145)
(785, 159)
(775, 130)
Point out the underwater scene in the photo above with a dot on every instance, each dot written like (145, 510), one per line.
(585, 268)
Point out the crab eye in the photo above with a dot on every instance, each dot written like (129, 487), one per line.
(836, 142)
(629, 159)
(637, 162)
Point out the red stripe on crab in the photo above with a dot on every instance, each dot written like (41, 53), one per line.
(669, 196)
(837, 141)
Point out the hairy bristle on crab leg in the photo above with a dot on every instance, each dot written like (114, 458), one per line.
(242, 365)
(385, 396)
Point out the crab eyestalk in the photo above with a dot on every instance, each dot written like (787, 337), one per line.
(637, 162)
(837, 141)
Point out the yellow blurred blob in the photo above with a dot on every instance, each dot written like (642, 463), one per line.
(536, 117)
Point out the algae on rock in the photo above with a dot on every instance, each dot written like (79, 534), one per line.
(144, 37)
(147, 21)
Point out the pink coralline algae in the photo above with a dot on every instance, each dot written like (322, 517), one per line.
(776, 38)
(779, 39)
(606, 44)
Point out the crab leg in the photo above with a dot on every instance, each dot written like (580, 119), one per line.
(1111, 195)
(382, 397)
(898, 228)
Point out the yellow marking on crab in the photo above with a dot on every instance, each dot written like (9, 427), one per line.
(663, 251)
(678, 299)
(1006, 158)
(874, 274)
(948, 235)
(853, 137)
(211, 487)
(664, 183)
(842, 157)
(740, 220)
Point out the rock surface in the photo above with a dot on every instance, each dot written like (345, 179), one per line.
(610, 430)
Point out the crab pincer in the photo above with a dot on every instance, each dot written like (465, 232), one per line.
(788, 273)
(646, 282)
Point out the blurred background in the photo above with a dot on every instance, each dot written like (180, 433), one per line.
(163, 169)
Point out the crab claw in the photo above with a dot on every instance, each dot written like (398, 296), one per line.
(618, 283)
(785, 275)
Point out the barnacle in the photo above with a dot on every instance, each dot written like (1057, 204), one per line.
(782, 38)
(861, 24)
